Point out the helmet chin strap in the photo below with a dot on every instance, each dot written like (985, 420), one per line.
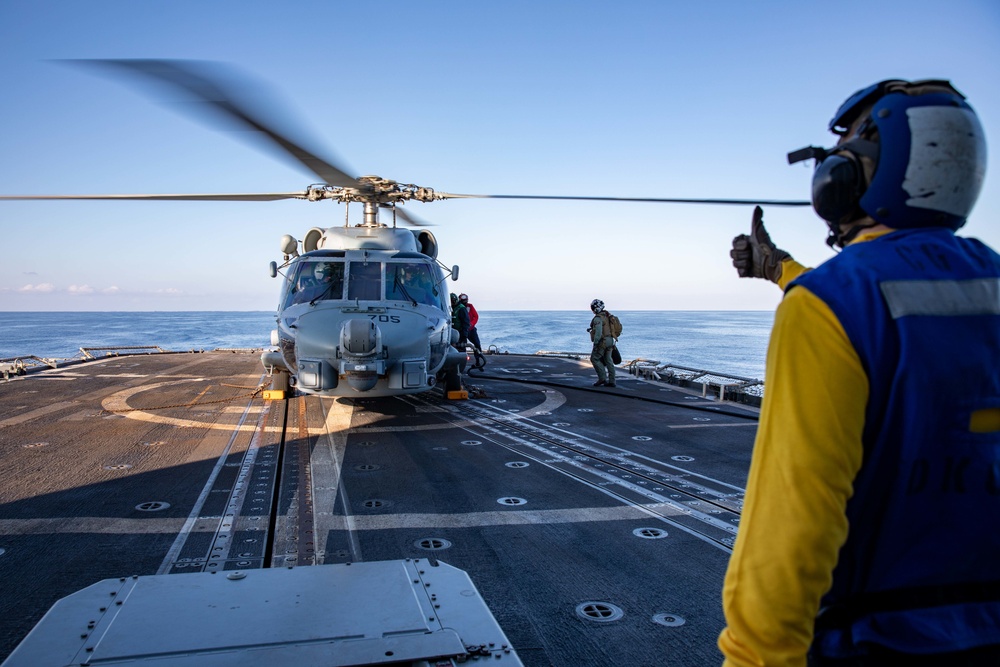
(838, 238)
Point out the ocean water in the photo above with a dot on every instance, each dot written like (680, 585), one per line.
(731, 342)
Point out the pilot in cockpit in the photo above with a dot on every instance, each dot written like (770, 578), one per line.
(322, 280)
(413, 284)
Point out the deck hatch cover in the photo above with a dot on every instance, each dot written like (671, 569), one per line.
(271, 616)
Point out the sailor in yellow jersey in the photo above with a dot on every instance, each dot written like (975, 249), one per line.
(870, 534)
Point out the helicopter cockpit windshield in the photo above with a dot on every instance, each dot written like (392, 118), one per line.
(316, 281)
(325, 279)
(364, 281)
(412, 281)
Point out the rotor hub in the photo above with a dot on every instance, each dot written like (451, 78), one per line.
(373, 190)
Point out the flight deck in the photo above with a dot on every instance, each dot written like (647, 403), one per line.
(595, 524)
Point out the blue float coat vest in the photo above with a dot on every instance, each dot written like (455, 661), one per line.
(920, 571)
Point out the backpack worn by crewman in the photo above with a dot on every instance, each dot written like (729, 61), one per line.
(614, 325)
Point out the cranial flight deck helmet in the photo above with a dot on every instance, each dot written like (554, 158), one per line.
(597, 305)
(913, 154)
(323, 271)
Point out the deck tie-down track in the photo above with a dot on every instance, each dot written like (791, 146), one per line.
(704, 507)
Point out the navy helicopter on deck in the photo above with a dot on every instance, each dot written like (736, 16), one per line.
(364, 310)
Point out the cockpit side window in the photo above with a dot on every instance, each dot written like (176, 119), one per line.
(364, 281)
(411, 281)
(320, 280)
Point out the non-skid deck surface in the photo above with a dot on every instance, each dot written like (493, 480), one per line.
(596, 523)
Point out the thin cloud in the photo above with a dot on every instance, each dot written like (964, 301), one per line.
(87, 290)
(39, 288)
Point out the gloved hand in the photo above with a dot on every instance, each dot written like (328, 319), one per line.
(755, 256)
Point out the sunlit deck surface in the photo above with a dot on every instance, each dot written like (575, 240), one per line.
(596, 523)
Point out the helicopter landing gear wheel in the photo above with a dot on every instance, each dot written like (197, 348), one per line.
(279, 381)
(452, 380)
(453, 388)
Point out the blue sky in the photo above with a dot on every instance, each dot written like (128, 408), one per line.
(658, 99)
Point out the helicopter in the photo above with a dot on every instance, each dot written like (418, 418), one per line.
(380, 291)
(363, 310)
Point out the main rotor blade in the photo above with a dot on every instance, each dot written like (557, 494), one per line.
(193, 77)
(655, 200)
(411, 219)
(209, 197)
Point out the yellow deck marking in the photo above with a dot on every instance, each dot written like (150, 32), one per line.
(119, 401)
(200, 394)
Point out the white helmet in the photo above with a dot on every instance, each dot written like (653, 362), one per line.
(597, 305)
(323, 271)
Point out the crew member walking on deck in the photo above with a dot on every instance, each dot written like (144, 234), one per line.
(604, 343)
(869, 533)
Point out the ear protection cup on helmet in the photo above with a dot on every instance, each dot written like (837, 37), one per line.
(837, 185)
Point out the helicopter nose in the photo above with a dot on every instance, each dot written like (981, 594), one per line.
(316, 349)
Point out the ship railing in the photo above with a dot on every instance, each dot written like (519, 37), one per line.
(16, 366)
(569, 355)
(21, 365)
(493, 349)
(724, 386)
(88, 352)
(125, 350)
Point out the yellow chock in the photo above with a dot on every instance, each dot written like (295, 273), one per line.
(460, 395)
(274, 395)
